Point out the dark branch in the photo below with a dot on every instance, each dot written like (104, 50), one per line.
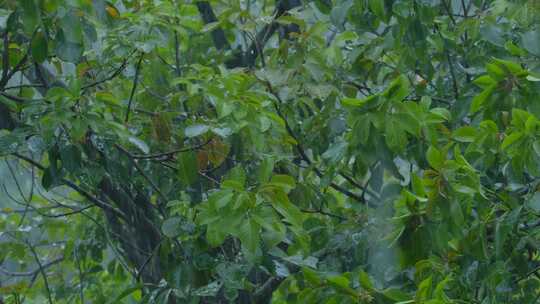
(256, 48)
(303, 154)
(141, 171)
(15, 69)
(113, 75)
(208, 16)
(134, 88)
(169, 153)
(264, 35)
(42, 271)
(103, 205)
(5, 55)
(33, 272)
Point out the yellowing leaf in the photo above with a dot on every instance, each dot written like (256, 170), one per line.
(162, 128)
(202, 159)
(217, 152)
(112, 11)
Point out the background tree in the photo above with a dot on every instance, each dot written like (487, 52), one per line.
(374, 151)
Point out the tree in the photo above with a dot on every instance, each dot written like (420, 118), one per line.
(287, 151)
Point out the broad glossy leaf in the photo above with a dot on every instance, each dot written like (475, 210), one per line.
(531, 41)
(187, 168)
(171, 226)
(196, 130)
(30, 14)
(39, 47)
(479, 100)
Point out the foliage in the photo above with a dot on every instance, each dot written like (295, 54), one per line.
(366, 151)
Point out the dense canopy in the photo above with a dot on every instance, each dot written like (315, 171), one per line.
(256, 151)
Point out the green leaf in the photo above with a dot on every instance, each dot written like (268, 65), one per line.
(265, 169)
(464, 134)
(479, 100)
(339, 282)
(396, 138)
(285, 182)
(511, 139)
(339, 12)
(435, 158)
(31, 15)
(39, 47)
(67, 50)
(365, 281)
(233, 184)
(215, 235)
(484, 81)
(534, 202)
(513, 67)
(128, 291)
(221, 199)
(353, 102)
(71, 27)
(196, 130)
(71, 158)
(249, 235)
(290, 212)
(514, 49)
(187, 168)
(377, 7)
(398, 89)
(531, 41)
(141, 145)
(495, 71)
(171, 226)
(397, 294)
(424, 289)
(209, 290)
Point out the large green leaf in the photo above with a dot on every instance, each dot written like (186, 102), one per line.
(39, 47)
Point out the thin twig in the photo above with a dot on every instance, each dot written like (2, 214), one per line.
(42, 271)
(152, 254)
(32, 272)
(177, 54)
(134, 87)
(324, 213)
(450, 64)
(19, 99)
(141, 171)
(72, 185)
(20, 86)
(5, 55)
(303, 154)
(10, 74)
(21, 193)
(81, 282)
(113, 75)
(449, 13)
(528, 274)
(169, 153)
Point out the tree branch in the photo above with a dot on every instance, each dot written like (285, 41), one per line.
(33, 272)
(42, 271)
(306, 158)
(134, 87)
(103, 205)
(5, 55)
(15, 69)
(113, 75)
(264, 35)
(169, 153)
(208, 16)
(141, 171)
(256, 48)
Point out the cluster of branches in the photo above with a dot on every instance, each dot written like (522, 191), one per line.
(130, 215)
